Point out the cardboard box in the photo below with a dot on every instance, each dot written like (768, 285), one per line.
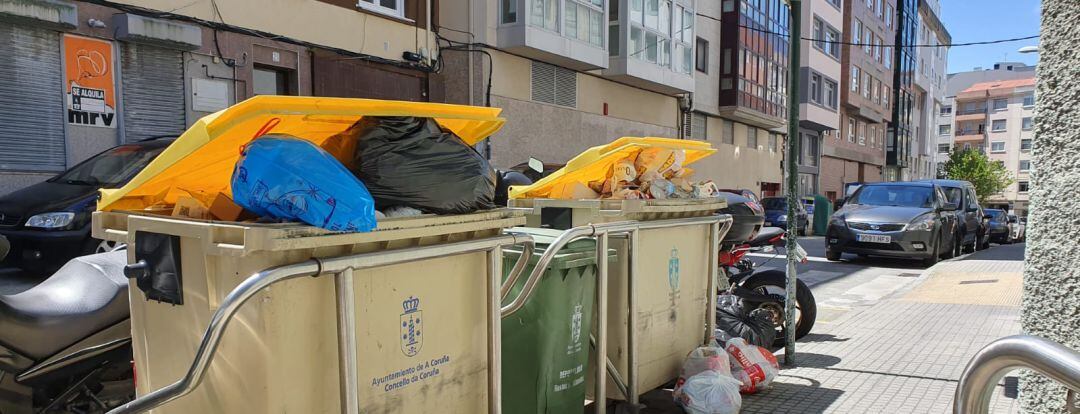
(224, 209)
(191, 208)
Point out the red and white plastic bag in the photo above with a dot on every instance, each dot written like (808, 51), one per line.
(755, 367)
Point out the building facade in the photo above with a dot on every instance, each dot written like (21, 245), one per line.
(750, 152)
(929, 91)
(956, 82)
(82, 77)
(819, 96)
(857, 153)
(997, 117)
(899, 155)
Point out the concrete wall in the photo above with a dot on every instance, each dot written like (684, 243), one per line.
(1052, 267)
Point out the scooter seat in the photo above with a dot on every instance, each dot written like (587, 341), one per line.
(763, 236)
(86, 295)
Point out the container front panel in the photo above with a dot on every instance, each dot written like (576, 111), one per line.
(422, 336)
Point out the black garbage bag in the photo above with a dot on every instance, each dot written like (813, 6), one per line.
(755, 327)
(412, 162)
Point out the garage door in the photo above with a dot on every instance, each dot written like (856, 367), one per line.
(153, 89)
(31, 100)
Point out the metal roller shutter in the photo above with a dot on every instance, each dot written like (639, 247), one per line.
(31, 100)
(153, 89)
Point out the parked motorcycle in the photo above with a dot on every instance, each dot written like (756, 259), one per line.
(760, 289)
(65, 344)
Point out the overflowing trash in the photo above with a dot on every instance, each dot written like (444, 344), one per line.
(705, 384)
(412, 162)
(755, 327)
(283, 177)
(653, 173)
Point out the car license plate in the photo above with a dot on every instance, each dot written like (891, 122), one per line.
(768, 224)
(873, 238)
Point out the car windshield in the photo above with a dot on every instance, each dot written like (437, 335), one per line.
(895, 196)
(996, 215)
(775, 203)
(110, 168)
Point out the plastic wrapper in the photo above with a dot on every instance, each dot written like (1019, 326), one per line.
(756, 327)
(755, 367)
(709, 392)
(281, 177)
(662, 161)
(705, 358)
(408, 161)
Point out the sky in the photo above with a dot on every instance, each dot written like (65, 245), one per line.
(981, 20)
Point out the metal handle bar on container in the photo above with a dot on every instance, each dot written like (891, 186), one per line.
(519, 267)
(986, 368)
(312, 267)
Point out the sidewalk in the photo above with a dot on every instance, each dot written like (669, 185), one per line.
(906, 353)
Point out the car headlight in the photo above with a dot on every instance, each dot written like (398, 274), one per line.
(924, 222)
(782, 217)
(51, 220)
(838, 220)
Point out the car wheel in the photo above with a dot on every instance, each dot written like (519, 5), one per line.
(95, 246)
(958, 246)
(832, 254)
(970, 248)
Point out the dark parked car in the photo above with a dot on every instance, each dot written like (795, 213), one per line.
(999, 225)
(48, 223)
(776, 214)
(905, 219)
(972, 227)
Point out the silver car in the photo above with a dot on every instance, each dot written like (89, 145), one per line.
(905, 219)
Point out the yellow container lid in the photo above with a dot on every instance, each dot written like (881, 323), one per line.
(594, 163)
(203, 157)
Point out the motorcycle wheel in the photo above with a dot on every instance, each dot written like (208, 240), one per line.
(773, 283)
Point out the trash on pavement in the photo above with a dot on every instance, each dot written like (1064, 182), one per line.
(401, 211)
(755, 367)
(755, 327)
(706, 385)
(283, 177)
(411, 161)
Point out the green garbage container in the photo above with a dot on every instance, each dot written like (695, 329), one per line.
(823, 209)
(545, 345)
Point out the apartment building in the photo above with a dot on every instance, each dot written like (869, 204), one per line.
(997, 117)
(898, 147)
(929, 91)
(570, 74)
(857, 154)
(738, 84)
(956, 82)
(80, 77)
(819, 96)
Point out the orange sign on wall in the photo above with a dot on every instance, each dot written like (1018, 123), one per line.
(89, 81)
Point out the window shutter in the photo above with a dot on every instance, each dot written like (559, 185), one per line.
(554, 85)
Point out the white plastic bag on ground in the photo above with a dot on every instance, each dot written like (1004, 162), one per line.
(709, 392)
(705, 358)
(755, 367)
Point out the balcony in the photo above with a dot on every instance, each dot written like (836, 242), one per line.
(653, 49)
(971, 115)
(970, 135)
(574, 38)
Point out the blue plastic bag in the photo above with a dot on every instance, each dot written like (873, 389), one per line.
(288, 178)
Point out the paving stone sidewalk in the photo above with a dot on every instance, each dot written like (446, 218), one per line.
(906, 353)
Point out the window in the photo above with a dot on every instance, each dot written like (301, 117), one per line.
(856, 35)
(815, 88)
(946, 110)
(855, 79)
(545, 14)
(868, 41)
(583, 20)
(509, 11)
(876, 96)
(871, 132)
(944, 130)
(852, 126)
(729, 132)
(826, 38)
(835, 3)
(1026, 124)
(998, 125)
(886, 92)
(831, 95)
(888, 16)
(879, 9)
(1025, 165)
(1000, 104)
(657, 37)
(861, 130)
(877, 49)
(943, 148)
(772, 141)
(699, 126)
(1029, 100)
(392, 7)
(751, 137)
(867, 85)
(1023, 186)
(1025, 144)
(887, 56)
(997, 146)
(701, 59)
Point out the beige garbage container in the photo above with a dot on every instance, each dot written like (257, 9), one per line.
(425, 331)
(652, 328)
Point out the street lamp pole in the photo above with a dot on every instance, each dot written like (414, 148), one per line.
(792, 157)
